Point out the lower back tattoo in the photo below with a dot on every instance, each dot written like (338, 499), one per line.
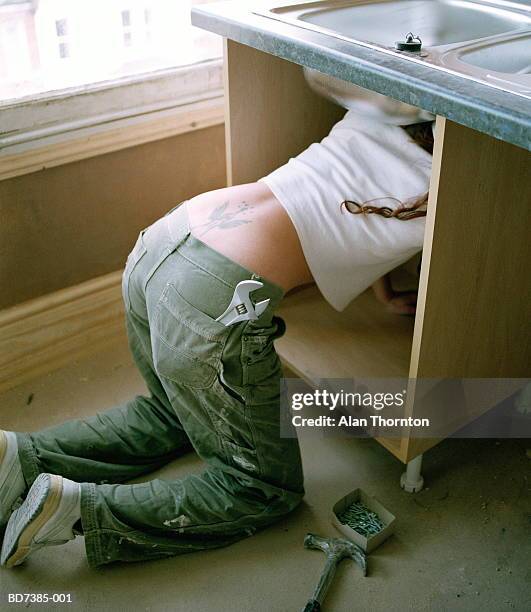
(226, 216)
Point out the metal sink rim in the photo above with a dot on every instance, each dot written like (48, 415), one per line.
(444, 58)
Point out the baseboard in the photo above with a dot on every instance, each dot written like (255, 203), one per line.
(47, 333)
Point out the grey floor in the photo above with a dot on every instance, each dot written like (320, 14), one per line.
(461, 544)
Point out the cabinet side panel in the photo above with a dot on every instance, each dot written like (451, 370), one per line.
(475, 287)
(271, 113)
(478, 287)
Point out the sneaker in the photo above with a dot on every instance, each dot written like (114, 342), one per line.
(46, 518)
(12, 484)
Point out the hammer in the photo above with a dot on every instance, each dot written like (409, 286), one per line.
(336, 549)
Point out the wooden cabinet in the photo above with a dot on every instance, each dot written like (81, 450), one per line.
(475, 291)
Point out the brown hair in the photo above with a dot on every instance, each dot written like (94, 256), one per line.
(421, 134)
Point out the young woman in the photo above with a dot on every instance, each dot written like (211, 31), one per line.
(342, 214)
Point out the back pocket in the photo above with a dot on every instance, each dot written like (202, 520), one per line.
(187, 343)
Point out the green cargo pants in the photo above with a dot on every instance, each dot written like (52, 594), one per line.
(212, 388)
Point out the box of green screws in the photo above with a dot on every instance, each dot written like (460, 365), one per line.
(362, 519)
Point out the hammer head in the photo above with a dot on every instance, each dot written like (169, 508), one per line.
(337, 549)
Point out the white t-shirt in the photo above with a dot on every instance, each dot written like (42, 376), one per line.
(360, 159)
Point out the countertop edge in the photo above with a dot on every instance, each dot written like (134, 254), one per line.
(442, 98)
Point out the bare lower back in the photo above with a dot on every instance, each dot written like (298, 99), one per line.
(247, 224)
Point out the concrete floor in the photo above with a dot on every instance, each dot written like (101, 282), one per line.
(461, 544)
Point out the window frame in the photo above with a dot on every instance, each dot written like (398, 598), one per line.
(49, 130)
(26, 121)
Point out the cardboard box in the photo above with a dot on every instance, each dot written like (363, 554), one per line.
(367, 544)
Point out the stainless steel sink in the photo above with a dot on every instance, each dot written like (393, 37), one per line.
(439, 22)
(488, 41)
(505, 64)
(509, 56)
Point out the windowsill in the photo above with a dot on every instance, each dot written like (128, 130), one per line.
(54, 129)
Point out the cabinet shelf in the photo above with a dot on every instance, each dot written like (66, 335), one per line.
(365, 340)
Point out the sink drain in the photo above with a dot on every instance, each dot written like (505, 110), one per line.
(411, 43)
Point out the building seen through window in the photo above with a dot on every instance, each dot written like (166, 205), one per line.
(50, 45)
(61, 29)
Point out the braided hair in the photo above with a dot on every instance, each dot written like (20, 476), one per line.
(422, 135)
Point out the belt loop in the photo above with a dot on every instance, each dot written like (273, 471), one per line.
(177, 224)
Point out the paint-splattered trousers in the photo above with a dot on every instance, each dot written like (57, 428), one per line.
(212, 388)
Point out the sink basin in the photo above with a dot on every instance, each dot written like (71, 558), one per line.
(488, 41)
(507, 56)
(438, 22)
(505, 64)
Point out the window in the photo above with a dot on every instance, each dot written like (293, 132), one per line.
(126, 18)
(126, 24)
(74, 70)
(61, 29)
(103, 41)
(64, 51)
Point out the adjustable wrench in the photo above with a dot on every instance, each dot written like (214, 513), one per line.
(242, 307)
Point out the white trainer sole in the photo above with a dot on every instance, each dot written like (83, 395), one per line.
(12, 485)
(40, 505)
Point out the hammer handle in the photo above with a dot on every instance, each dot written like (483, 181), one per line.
(324, 582)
